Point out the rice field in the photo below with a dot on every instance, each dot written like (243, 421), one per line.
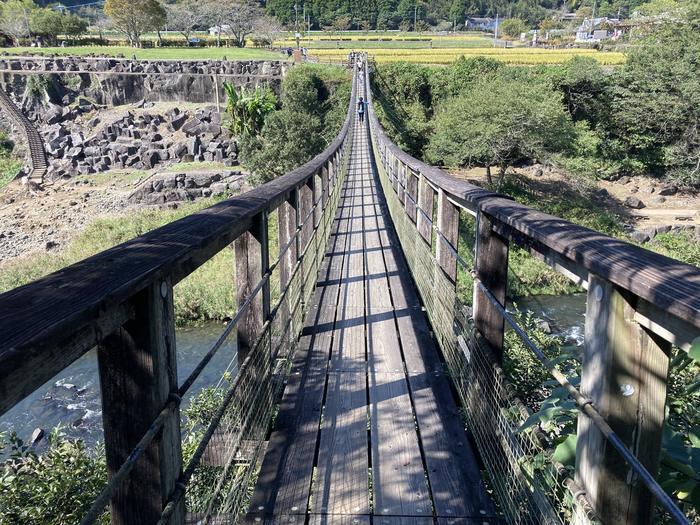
(518, 55)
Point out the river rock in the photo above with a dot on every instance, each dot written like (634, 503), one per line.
(634, 203)
(668, 190)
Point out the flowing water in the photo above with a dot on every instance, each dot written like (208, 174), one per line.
(72, 398)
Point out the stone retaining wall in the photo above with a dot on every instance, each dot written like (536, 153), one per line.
(113, 82)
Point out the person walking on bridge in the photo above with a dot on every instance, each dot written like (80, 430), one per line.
(361, 110)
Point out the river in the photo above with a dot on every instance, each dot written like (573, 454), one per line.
(72, 398)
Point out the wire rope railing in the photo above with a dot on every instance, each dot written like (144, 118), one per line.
(122, 301)
(639, 304)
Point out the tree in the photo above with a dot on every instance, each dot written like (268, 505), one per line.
(513, 27)
(241, 17)
(73, 25)
(14, 19)
(46, 23)
(655, 109)
(135, 17)
(498, 122)
(186, 16)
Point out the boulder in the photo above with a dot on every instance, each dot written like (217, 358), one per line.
(668, 190)
(151, 158)
(634, 203)
(177, 121)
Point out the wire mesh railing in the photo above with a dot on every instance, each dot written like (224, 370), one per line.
(465, 302)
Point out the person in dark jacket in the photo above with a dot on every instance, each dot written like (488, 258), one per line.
(361, 109)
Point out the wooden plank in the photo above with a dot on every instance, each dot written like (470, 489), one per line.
(383, 349)
(341, 485)
(334, 519)
(138, 371)
(349, 336)
(453, 469)
(492, 270)
(285, 477)
(398, 477)
(251, 254)
(624, 373)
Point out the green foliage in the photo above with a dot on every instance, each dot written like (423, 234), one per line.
(656, 106)
(54, 488)
(9, 166)
(37, 85)
(513, 27)
(248, 108)
(681, 246)
(314, 104)
(530, 378)
(50, 23)
(500, 122)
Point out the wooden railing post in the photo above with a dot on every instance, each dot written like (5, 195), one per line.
(287, 215)
(448, 226)
(252, 262)
(325, 186)
(491, 261)
(624, 375)
(306, 197)
(138, 372)
(426, 202)
(412, 194)
(401, 170)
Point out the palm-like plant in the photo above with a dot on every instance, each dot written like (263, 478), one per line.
(248, 108)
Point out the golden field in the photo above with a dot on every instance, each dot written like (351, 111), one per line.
(523, 55)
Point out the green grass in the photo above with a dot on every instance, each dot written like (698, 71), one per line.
(196, 166)
(164, 53)
(205, 295)
(9, 168)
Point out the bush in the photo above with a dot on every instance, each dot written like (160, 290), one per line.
(54, 488)
(314, 104)
(513, 27)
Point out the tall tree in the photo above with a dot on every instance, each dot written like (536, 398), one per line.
(135, 17)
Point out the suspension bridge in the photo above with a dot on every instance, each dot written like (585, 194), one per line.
(368, 387)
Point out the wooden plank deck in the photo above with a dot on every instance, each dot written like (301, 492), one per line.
(368, 429)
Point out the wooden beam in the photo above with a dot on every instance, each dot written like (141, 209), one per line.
(287, 216)
(411, 194)
(138, 372)
(491, 256)
(448, 226)
(426, 203)
(252, 262)
(624, 374)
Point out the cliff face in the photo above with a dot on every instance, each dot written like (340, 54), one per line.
(34, 82)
